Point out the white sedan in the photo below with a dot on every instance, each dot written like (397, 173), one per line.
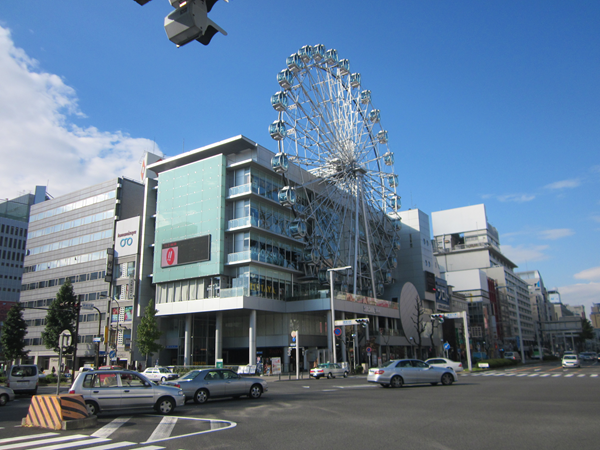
(445, 362)
(159, 374)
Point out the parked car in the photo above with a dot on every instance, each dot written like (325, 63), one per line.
(329, 370)
(445, 362)
(159, 374)
(24, 379)
(200, 385)
(570, 361)
(6, 395)
(396, 373)
(588, 356)
(515, 356)
(107, 390)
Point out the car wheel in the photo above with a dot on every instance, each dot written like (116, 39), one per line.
(92, 407)
(447, 379)
(163, 379)
(201, 396)
(255, 391)
(345, 374)
(329, 375)
(3, 399)
(165, 405)
(396, 382)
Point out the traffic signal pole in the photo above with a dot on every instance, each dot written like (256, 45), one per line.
(458, 315)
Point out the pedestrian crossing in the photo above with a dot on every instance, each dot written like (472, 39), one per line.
(56, 441)
(148, 430)
(530, 374)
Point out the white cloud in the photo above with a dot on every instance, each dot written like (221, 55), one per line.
(564, 184)
(581, 294)
(589, 274)
(523, 254)
(518, 198)
(40, 145)
(556, 233)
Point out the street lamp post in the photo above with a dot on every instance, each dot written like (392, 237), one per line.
(336, 269)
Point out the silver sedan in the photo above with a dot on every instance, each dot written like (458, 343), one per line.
(396, 372)
(6, 395)
(200, 385)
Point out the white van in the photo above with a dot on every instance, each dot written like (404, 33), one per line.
(23, 379)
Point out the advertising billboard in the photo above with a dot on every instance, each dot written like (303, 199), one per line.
(127, 236)
(185, 251)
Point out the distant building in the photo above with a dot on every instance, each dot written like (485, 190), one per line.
(14, 218)
(595, 315)
(70, 237)
(541, 307)
(577, 310)
(468, 252)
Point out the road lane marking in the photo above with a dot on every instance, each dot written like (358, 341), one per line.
(112, 445)
(594, 375)
(111, 427)
(23, 438)
(534, 375)
(163, 430)
(569, 375)
(73, 444)
(44, 441)
(545, 375)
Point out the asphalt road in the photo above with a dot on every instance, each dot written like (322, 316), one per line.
(531, 407)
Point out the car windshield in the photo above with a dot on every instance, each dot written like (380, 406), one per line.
(570, 357)
(190, 375)
(323, 366)
(163, 370)
(508, 354)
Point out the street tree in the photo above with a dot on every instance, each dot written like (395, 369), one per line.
(418, 320)
(61, 316)
(148, 333)
(14, 330)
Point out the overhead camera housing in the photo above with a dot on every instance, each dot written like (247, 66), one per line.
(190, 22)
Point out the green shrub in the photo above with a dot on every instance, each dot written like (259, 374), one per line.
(358, 370)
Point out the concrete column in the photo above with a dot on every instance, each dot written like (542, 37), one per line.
(286, 361)
(187, 341)
(219, 336)
(252, 338)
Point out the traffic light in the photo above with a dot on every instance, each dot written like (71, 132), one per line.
(438, 317)
(190, 22)
(362, 322)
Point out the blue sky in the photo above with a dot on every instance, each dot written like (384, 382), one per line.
(494, 102)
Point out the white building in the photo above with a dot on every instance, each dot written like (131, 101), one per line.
(469, 255)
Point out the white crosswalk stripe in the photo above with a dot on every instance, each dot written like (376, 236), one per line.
(111, 427)
(53, 441)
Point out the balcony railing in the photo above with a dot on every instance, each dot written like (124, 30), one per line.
(238, 223)
(239, 256)
(242, 189)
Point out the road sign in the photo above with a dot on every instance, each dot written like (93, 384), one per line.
(369, 349)
(454, 315)
(446, 346)
(337, 331)
(87, 306)
(112, 354)
(97, 339)
(348, 322)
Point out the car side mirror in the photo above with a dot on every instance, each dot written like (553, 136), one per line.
(147, 384)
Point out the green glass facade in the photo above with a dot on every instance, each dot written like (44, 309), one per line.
(190, 203)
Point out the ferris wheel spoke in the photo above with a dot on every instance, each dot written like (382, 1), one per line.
(332, 132)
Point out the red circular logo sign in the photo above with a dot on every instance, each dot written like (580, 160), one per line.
(170, 256)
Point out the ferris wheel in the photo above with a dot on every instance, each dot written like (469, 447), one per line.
(344, 199)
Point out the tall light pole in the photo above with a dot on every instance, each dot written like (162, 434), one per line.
(108, 321)
(336, 269)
